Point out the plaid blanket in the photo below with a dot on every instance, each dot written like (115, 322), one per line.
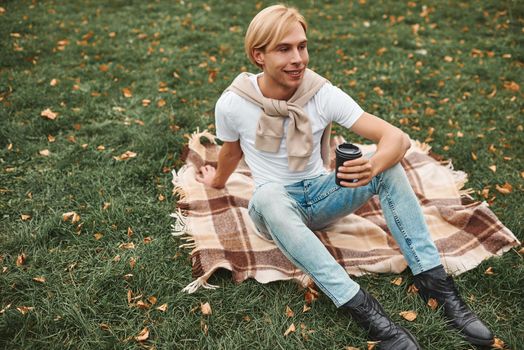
(216, 225)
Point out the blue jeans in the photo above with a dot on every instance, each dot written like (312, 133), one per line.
(288, 214)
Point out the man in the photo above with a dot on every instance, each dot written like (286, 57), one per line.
(279, 120)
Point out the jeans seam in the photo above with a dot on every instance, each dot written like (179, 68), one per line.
(398, 222)
(326, 194)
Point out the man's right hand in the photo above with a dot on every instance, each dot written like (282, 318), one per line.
(207, 175)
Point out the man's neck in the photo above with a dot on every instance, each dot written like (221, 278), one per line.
(270, 89)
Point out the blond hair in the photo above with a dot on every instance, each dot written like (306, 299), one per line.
(269, 26)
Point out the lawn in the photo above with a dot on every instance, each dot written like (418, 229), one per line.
(97, 99)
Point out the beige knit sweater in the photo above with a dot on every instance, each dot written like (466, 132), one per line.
(270, 129)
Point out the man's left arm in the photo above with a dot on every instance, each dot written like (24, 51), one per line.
(392, 144)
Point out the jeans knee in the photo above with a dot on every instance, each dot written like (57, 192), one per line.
(395, 174)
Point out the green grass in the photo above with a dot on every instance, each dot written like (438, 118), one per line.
(173, 46)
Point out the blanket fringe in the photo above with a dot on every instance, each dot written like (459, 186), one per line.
(180, 227)
(197, 284)
(194, 139)
(422, 146)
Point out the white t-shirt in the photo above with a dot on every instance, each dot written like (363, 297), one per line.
(236, 118)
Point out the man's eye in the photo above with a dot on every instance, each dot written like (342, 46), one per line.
(282, 49)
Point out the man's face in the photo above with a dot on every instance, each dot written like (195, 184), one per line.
(284, 65)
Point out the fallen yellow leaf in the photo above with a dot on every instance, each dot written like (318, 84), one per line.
(132, 262)
(127, 92)
(98, 236)
(409, 315)
(152, 300)
(147, 240)
(290, 329)
(372, 344)
(433, 304)
(129, 245)
(71, 215)
(412, 289)
(161, 103)
(511, 86)
(25, 217)
(397, 281)
(141, 305)
(489, 271)
(378, 90)
(205, 309)
(126, 155)
(51, 138)
(498, 344)
(289, 312)
(39, 279)
(493, 168)
(44, 152)
(129, 232)
(48, 114)
(306, 308)
(20, 259)
(143, 335)
(8, 306)
(504, 189)
(53, 82)
(24, 309)
(162, 308)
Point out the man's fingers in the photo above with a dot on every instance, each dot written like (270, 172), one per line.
(354, 162)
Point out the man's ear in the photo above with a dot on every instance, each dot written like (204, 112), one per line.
(258, 55)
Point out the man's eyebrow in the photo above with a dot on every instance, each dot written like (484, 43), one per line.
(290, 44)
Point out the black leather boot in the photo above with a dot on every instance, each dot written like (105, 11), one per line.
(370, 315)
(437, 285)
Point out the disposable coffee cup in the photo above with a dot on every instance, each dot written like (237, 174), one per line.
(345, 152)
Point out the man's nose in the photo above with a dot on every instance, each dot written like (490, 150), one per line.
(296, 57)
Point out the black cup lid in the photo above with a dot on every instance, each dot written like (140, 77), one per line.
(348, 148)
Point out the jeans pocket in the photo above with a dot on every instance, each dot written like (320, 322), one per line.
(260, 226)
